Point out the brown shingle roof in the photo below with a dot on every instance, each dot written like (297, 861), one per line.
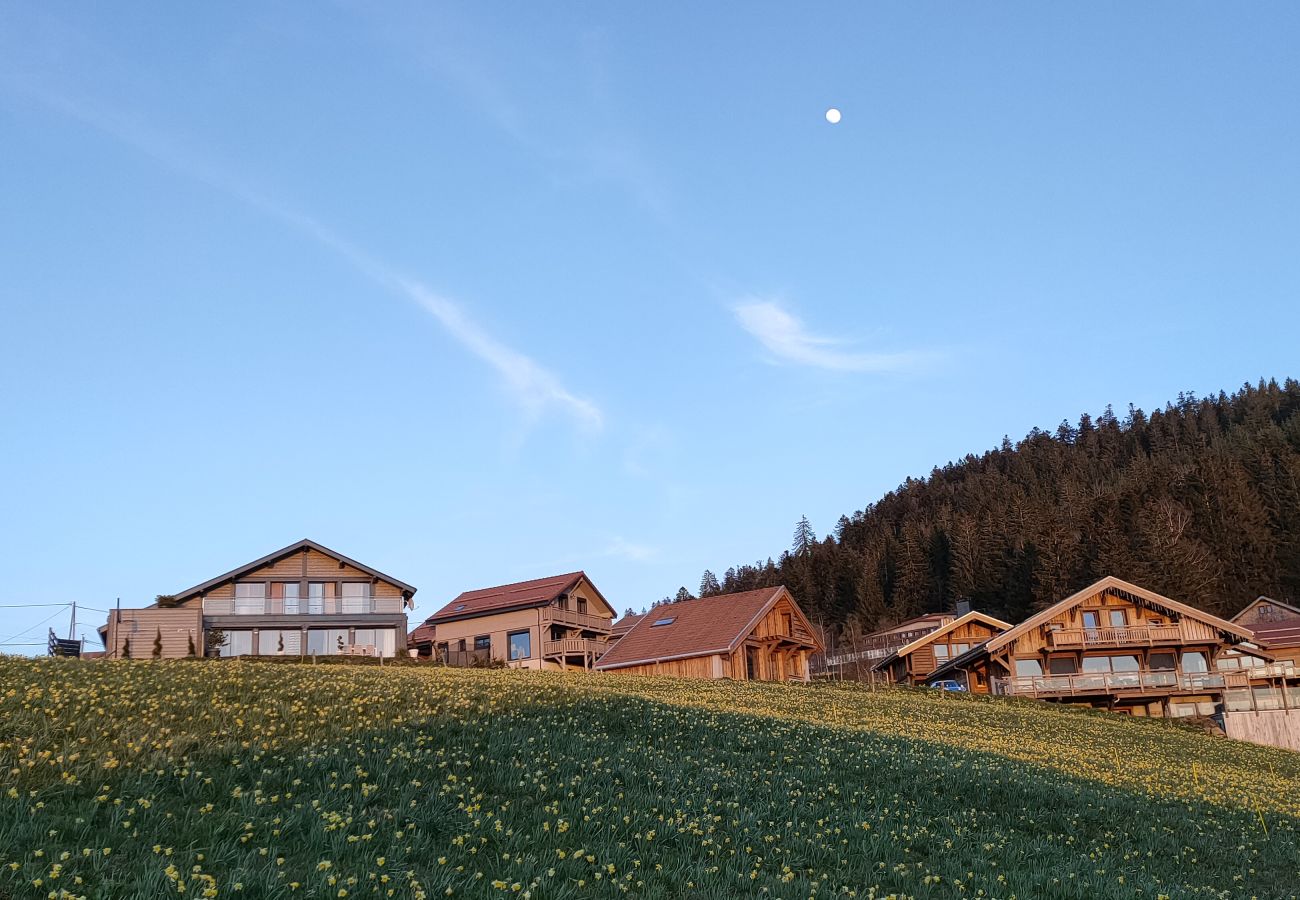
(1278, 634)
(624, 625)
(699, 628)
(521, 595)
(423, 634)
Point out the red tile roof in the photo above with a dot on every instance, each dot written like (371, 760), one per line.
(699, 628)
(422, 635)
(1278, 634)
(624, 625)
(521, 595)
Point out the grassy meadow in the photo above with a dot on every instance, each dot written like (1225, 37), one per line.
(141, 779)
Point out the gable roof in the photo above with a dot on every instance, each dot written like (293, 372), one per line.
(972, 616)
(703, 627)
(304, 544)
(1129, 591)
(958, 662)
(1271, 602)
(624, 625)
(506, 597)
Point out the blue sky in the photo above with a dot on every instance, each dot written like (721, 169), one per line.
(477, 293)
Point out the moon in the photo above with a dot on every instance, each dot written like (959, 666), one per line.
(833, 116)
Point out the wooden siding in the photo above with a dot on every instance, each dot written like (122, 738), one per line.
(708, 667)
(142, 626)
(320, 567)
(1036, 640)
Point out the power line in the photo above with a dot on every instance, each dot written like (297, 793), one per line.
(10, 639)
(33, 605)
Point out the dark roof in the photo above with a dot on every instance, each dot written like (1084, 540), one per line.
(624, 625)
(1278, 634)
(520, 595)
(702, 627)
(304, 544)
(423, 634)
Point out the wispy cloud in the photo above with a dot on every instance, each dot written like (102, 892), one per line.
(784, 336)
(534, 387)
(620, 548)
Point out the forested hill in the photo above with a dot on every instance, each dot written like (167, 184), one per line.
(1199, 501)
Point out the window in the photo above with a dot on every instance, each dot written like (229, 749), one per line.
(279, 642)
(1194, 661)
(521, 644)
(1228, 662)
(250, 599)
(483, 642)
(460, 645)
(1117, 618)
(582, 604)
(316, 598)
(458, 607)
(1160, 662)
(289, 590)
(327, 641)
(356, 597)
(1091, 620)
(1094, 664)
(1124, 664)
(1062, 665)
(238, 643)
(959, 649)
(941, 652)
(668, 621)
(1029, 667)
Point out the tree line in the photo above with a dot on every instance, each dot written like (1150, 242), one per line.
(1199, 501)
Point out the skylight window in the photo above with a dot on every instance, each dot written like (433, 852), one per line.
(458, 607)
(668, 621)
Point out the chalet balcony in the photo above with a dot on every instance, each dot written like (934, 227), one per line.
(555, 615)
(1129, 683)
(1131, 636)
(317, 606)
(573, 647)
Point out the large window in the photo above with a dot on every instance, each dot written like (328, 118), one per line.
(1160, 662)
(382, 640)
(941, 652)
(1194, 661)
(521, 644)
(238, 643)
(356, 597)
(327, 641)
(279, 642)
(1063, 665)
(291, 600)
(483, 642)
(1117, 619)
(250, 599)
(1029, 667)
(316, 598)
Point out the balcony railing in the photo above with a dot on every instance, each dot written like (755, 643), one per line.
(319, 606)
(1130, 636)
(1116, 683)
(464, 658)
(573, 647)
(556, 615)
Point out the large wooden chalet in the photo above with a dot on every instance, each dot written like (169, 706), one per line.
(1119, 646)
(750, 636)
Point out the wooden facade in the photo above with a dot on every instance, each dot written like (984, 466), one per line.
(913, 663)
(563, 622)
(304, 599)
(752, 636)
(1118, 646)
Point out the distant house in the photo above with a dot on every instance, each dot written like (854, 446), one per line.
(914, 662)
(755, 635)
(1121, 647)
(860, 654)
(300, 600)
(1276, 626)
(624, 625)
(558, 622)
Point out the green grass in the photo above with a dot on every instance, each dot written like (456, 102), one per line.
(308, 781)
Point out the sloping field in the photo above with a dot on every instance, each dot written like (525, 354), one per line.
(218, 779)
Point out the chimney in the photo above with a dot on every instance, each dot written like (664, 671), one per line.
(963, 606)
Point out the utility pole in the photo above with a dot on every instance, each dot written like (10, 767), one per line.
(117, 623)
(72, 626)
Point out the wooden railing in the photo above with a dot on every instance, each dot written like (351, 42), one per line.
(319, 606)
(572, 618)
(573, 647)
(1117, 683)
(1128, 636)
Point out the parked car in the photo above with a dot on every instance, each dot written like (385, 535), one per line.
(948, 684)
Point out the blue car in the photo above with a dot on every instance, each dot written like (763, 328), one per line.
(948, 684)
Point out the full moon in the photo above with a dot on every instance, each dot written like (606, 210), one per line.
(833, 116)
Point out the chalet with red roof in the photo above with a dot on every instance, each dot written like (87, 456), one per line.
(559, 622)
(751, 636)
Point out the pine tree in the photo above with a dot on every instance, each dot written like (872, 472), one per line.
(126, 649)
(157, 645)
(709, 584)
(682, 595)
(191, 651)
(804, 538)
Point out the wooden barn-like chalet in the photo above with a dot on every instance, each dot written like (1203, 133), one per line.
(750, 636)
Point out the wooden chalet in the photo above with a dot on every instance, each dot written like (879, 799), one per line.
(303, 599)
(859, 655)
(914, 662)
(1276, 626)
(1119, 646)
(750, 636)
(558, 622)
